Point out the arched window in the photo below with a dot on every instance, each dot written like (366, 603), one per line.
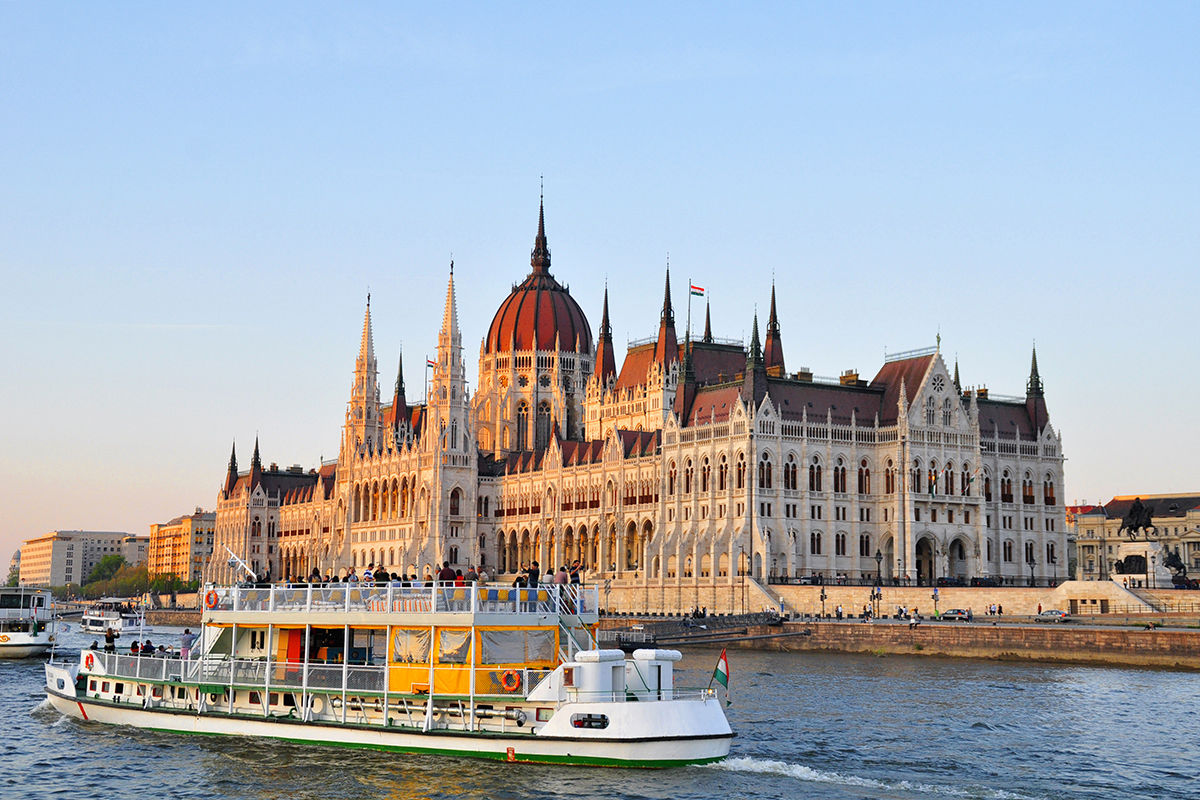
(948, 478)
(1006, 492)
(864, 545)
(965, 483)
(814, 475)
(522, 425)
(374, 501)
(705, 473)
(543, 425)
(814, 543)
(791, 480)
(987, 487)
(839, 476)
(453, 443)
(722, 474)
(764, 471)
(671, 476)
(395, 497)
(839, 544)
(455, 502)
(916, 476)
(932, 476)
(946, 411)
(1027, 490)
(687, 476)
(928, 410)
(1008, 550)
(889, 478)
(1048, 496)
(740, 477)
(864, 477)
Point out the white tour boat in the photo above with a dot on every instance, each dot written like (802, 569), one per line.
(26, 622)
(113, 612)
(484, 671)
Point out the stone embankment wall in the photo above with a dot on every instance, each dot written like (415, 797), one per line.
(1077, 597)
(177, 618)
(1137, 647)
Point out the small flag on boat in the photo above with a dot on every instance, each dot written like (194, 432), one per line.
(697, 290)
(721, 674)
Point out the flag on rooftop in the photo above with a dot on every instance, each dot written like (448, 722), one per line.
(697, 290)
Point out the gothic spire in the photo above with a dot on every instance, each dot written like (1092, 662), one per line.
(366, 346)
(540, 257)
(773, 355)
(399, 402)
(232, 473)
(606, 364)
(707, 323)
(666, 349)
(957, 383)
(1034, 387)
(255, 466)
(755, 356)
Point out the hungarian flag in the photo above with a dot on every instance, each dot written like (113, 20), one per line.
(721, 673)
(429, 363)
(932, 482)
(697, 290)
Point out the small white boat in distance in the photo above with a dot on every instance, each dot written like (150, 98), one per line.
(113, 612)
(26, 622)
(465, 671)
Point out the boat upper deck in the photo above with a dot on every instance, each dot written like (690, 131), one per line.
(581, 602)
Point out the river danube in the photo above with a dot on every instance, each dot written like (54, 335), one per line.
(808, 726)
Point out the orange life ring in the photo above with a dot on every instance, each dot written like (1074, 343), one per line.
(89, 661)
(211, 599)
(510, 680)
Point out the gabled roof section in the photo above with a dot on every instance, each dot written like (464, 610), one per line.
(635, 444)
(911, 371)
(1007, 419)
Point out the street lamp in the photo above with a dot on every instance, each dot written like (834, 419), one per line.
(934, 598)
(876, 601)
(1031, 563)
(823, 596)
(1150, 574)
(878, 568)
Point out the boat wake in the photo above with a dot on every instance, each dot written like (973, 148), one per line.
(43, 709)
(803, 773)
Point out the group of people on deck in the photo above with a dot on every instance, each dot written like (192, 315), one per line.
(530, 575)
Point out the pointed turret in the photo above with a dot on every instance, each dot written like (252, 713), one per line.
(754, 383)
(606, 362)
(1035, 397)
(255, 466)
(399, 401)
(232, 473)
(707, 323)
(362, 412)
(539, 259)
(773, 355)
(666, 350)
(957, 382)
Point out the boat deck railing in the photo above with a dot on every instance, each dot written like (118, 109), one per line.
(270, 676)
(390, 599)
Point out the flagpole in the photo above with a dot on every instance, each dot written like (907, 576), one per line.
(689, 319)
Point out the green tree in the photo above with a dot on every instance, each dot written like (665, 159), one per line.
(106, 569)
(14, 575)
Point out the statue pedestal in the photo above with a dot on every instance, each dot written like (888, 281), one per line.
(1149, 574)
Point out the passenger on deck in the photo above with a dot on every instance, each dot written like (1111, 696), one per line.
(445, 574)
(472, 575)
(561, 577)
(135, 648)
(459, 580)
(110, 640)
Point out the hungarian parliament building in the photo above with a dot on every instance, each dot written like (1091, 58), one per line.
(697, 460)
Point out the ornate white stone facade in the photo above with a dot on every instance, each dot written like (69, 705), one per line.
(695, 461)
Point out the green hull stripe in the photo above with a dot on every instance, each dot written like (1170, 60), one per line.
(527, 758)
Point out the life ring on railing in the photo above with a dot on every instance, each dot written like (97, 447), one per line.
(211, 599)
(510, 680)
(89, 661)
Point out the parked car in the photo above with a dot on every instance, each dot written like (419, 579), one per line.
(808, 580)
(1053, 615)
(951, 581)
(959, 614)
(985, 582)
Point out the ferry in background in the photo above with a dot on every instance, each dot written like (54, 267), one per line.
(503, 673)
(26, 622)
(113, 612)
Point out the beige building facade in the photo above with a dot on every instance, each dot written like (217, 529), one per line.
(1100, 541)
(697, 460)
(182, 546)
(61, 557)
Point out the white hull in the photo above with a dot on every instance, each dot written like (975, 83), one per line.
(651, 752)
(24, 649)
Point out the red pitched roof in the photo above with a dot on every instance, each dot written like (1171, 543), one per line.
(911, 371)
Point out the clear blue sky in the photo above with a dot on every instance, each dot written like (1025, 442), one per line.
(196, 200)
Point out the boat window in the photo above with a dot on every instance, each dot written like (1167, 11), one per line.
(593, 721)
(519, 646)
(544, 714)
(410, 645)
(568, 676)
(368, 645)
(453, 646)
(224, 643)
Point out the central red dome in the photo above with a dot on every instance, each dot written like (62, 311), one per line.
(539, 307)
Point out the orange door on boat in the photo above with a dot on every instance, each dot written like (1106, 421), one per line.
(295, 647)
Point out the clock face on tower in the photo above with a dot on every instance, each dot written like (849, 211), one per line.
(939, 383)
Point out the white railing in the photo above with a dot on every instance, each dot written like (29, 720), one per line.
(439, 598)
